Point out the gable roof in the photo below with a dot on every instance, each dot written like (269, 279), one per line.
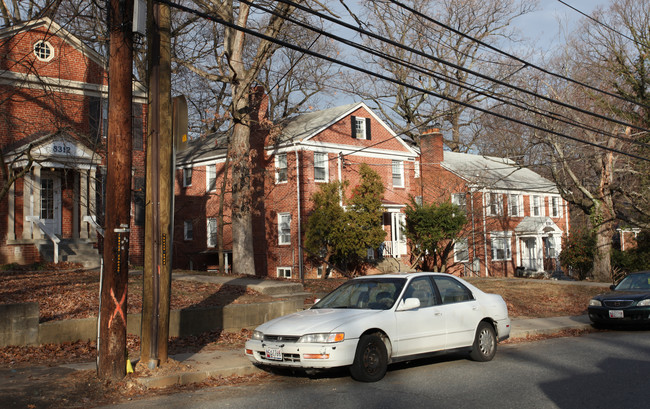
(54, 29)
(305, 126)
(496, 173)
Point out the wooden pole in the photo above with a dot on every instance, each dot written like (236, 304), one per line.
(112, 326)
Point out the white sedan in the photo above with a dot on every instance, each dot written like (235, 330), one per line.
(371, 321)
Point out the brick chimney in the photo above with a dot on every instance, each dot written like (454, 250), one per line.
(431, 147)
(259, 104)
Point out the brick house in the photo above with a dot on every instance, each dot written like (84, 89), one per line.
(516, 217)
(53, 104)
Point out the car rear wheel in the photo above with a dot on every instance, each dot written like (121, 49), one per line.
(485, 343)
(371, 359)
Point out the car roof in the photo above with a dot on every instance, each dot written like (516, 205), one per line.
(401, 275)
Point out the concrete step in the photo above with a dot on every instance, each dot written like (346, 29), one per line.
(74, 251)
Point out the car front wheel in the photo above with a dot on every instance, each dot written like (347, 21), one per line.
(485, 343)
(371, 359)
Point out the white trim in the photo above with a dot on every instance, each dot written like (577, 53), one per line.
(210, 171)
(400, 165)
(326, 163)
(278, 168)
(188, 230)
(184, 176)
(281, 236)
(48, 46)
(208, 236)
(457, 242)
(284, 270)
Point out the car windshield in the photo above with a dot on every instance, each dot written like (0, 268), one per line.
(635, 282)
(374, 294)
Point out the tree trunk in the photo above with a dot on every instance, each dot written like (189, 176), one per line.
(242, 218)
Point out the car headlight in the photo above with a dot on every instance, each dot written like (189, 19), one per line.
(595, 303)
(643, 303)
(258, 336)
(325, 338)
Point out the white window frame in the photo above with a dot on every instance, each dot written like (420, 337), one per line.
(397, 165)
(283, 272)
(556, 246)
(515, 202)
(43, 45)
(501, 241)
(323, 268)
(284, 228)
(360, 128)
(460, 200)
(555, 206)
(188, 230)
(281, 168)
(210, 178)
(495, 199)
(539, 206)
(187, 177)
(320, 162)
(461, 247)
(416, 169)
(211, 232)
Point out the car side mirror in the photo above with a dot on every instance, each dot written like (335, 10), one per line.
(409, 304)
(613, 286)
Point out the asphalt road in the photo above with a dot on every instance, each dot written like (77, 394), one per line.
(599, 370)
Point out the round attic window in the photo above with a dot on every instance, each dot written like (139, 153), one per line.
(43, 50)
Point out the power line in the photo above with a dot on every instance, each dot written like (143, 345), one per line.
(602, 24)
(514, 57)
(452, 65)
(385, 78)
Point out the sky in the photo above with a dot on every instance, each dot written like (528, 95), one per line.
(543, 25)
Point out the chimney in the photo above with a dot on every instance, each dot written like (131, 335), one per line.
(259, 104)
(431, 147)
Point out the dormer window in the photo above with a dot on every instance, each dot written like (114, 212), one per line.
(360, 127)
(43, 50)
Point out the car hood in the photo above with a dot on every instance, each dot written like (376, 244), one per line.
(623, 295)
(314, 321)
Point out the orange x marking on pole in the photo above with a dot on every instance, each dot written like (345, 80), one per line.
(118, 308)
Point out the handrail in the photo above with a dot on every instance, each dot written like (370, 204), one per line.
(93, 221)
(50, 234)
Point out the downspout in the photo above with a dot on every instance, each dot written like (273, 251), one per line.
(471, 199)
(300, 261)
(340, 170)
(484, 233)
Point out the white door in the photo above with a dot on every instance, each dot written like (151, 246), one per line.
(51, 202)
(398, 220)
(529, 254)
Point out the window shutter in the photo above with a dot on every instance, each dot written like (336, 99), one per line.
(368, 128)
(354, 126)
(137, 127)
(94, 113)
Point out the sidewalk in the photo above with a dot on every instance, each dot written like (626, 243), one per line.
(202, 365)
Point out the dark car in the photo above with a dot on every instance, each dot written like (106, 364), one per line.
(627, 303)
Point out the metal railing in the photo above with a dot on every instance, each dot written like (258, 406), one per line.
(50, 234)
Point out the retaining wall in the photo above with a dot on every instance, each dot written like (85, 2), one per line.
(19, 322)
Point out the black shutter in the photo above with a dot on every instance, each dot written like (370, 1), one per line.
(137, 126)
(368, 128)
(354, 126)
(94, 112)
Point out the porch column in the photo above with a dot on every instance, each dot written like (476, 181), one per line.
(539, 255)
(11, 212)
(76, 202)
(83, 204)
(92, 203)
(36, 194)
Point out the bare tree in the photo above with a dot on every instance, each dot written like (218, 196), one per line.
(235, 62)
(440, 62)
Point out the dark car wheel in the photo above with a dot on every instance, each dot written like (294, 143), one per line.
(485, 343)
(371, 359)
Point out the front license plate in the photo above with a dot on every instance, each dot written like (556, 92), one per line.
(274, 353)
(615, 313)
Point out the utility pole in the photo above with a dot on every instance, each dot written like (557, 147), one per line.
(159, 191)
(112, 325)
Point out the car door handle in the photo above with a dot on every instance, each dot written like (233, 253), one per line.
(437, 314)
(475, 308)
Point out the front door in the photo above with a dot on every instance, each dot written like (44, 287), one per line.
(51, 202)
(398, 220)
(529, 254)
